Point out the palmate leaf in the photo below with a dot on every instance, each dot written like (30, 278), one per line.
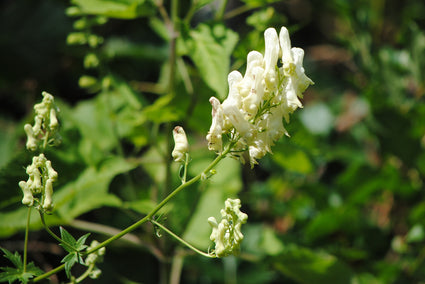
(68, 240)
(69, 261)
(210, 49)
(11, 274)
(74, 247)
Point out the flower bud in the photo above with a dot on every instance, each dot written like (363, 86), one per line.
(181, 146)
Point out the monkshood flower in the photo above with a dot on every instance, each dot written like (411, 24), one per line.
(181, 146)
(39, 185)
(227, 234)
(252, 114)
(46, 123)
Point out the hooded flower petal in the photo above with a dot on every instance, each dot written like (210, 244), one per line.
(258, 102)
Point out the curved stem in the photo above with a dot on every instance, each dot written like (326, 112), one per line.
(181, 240)
(147, 217)
(56, 237)
(161, 204)
(27, 228)
(85, 274)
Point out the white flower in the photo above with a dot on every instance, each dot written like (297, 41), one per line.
(181, 146)
(40, 182)
(271, 56)
(257, 103)
(227, 234)
(45, 123)
(214, 135)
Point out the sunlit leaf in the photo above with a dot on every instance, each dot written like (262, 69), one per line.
(210, 50)
(123, 9)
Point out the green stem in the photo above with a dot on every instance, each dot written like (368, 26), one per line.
(161, 204)
(56, 237)
(186, 163)
(85, 274)
(181, 240)
(147, 217)
(49, 273)
(220, 11)
(27, 228)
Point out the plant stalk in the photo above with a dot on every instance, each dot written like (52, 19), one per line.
(147, 217)
(26, 239)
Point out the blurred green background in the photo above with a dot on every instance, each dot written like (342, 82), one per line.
(340, 201)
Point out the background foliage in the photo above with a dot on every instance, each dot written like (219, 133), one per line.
(341, 201)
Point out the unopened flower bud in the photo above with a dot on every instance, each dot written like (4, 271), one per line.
(181, 146)
(28, 199)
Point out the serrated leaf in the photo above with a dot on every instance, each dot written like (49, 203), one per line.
(14, 258)
(11, 274)
(69, 261)
(68, 240)
(210, 50)
(80, 245)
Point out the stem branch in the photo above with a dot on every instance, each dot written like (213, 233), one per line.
(181, 240)
(144, 219)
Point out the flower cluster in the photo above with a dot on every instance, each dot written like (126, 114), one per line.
(46, 123)
(93, 258)
(252, 114)
(40, 182)
(227, 234)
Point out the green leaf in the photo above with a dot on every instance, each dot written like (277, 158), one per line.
(68, 240)
(307, 266)
(162, 110)
(14, 258)
(90, 190)
(318, 118)
(10, 274)
(123, 9)
(291, 158)
(210, 48)
(69, 261)
(80, 244)
(144, 206)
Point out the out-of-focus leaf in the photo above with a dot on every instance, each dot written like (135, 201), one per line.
(116, 47)
(292, 159)
(317, 118)
(160, 28)
(210, 50)
(90, 190)
(265, 18)
(142, 206)
(162, 110)
(8, 139)
(416, 234)
(258, 3)
(330, 221)
(307, 266)
(123, 9)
